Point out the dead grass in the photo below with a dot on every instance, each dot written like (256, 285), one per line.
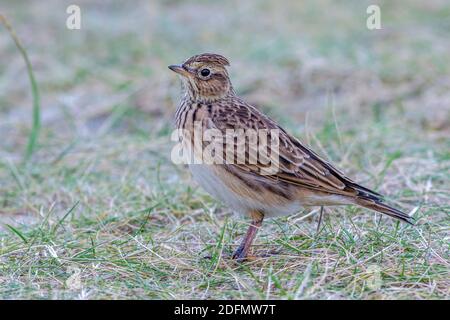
(99, 212)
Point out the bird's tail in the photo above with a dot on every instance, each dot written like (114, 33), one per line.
(379, 206)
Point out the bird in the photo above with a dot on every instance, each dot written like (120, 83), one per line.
(301, 179)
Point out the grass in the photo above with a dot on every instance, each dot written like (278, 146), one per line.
(100, 212)
(34, 133)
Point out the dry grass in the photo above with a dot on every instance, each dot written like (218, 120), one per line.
(99, 211)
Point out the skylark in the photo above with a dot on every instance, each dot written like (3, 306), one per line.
(301, 178)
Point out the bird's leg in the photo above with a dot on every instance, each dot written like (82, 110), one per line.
(320, 220)
(241, 253)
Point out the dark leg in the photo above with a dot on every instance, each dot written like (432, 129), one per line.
(320, 220)
(241, 253)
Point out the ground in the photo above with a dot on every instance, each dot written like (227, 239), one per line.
(96, 209)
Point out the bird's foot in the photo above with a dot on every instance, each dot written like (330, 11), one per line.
(240, 255)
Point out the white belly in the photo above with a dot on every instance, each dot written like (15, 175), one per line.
(208, 179)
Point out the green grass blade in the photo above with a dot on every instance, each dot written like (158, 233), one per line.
(36, 125)
(65, 216)
(16, 232)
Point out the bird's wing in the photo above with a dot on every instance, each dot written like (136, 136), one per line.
(298, 165)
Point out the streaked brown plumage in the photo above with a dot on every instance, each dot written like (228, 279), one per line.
(303, 178)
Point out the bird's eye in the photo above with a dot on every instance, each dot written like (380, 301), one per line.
(205, 72)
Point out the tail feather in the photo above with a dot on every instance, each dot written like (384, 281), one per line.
(384, 208)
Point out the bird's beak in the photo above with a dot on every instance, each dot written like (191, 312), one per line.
(179, 69)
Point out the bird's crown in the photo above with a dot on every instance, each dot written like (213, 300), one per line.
(210, 58)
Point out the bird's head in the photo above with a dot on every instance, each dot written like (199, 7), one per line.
(205, 77)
